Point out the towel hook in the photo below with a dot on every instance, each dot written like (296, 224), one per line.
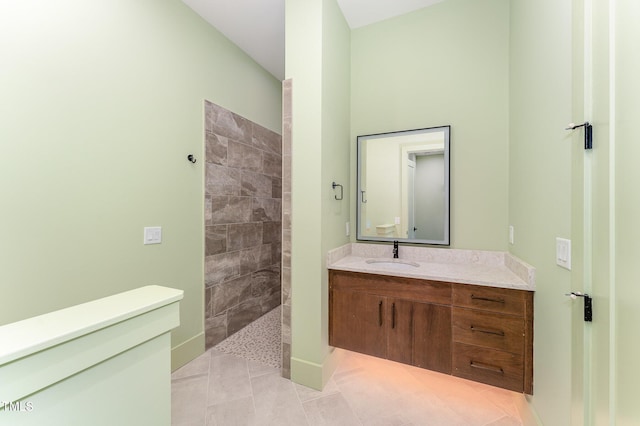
(333, 185)
(191, 158)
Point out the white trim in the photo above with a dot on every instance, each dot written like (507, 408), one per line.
(612, 213)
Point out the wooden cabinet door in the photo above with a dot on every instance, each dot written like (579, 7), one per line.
(399, 323)
(432, 337)
(358, 322)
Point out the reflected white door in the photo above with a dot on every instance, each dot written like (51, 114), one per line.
(411, 176)
(429, 204)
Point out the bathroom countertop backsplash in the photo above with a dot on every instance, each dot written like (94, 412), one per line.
(478, 267)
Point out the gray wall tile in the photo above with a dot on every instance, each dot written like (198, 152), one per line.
(276, 188)
(225, 123)
(272, 165)
(244, 314)
(215, 329)
(266, 139)
(216, 239)
(221, 180)
(228, 294)
(231, 209)
(244, 157)
(266, 209)
(222, 267)
(243, 235)
(255, 184)
(265, 282)
(271, 232)
(285, 249)
(216, 149)
(243, 216)
(207, 210)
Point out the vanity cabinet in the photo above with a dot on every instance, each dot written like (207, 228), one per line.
(357, 322)
(493, 336)
(401, 319)
(479, 333)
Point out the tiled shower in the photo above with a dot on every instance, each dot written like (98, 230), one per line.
(243, 218)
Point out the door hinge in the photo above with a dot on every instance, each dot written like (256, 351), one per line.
(588, 304)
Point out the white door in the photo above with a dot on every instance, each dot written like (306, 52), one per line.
(606, 209)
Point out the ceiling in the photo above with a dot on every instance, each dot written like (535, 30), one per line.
(257, 26)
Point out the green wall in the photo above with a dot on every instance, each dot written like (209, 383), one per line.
(540, 193)
(101, 103)
(336, 161)
(447, 64)
(317, 61)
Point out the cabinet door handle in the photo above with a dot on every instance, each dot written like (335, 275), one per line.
(486, 299)
(486, 367)
(380, 313)
(487, 331)
(393, 315)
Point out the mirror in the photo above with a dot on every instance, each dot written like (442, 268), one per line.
(403, 186)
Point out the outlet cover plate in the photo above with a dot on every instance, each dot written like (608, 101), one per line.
(152, 235)
(563, 253)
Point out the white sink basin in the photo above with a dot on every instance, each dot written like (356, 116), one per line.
(396, 264)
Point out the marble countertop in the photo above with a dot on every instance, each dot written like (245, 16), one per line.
(495, 269)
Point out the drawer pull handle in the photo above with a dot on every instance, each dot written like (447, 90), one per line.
(487, 331)
(486, 367)
(486, 299)
(380, 313)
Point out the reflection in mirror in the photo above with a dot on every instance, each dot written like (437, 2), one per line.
(403, 186)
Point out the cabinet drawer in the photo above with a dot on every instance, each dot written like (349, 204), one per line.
(494, 299)
(395, 287)
(490, 366)
(488, 329)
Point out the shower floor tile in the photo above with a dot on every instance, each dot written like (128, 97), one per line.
(259, 341)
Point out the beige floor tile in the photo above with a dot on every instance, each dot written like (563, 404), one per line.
(197, 367)
(331, 410)
(426, 408)
(239, 412)
(219, 389)
(258, 369)
(306, 393)
(506, 400)
(189, 401)
(228, 379)
(474, 408)
(506, 421)
(396, 419)
(276, 401)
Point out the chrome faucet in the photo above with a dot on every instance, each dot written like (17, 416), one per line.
(395, 249)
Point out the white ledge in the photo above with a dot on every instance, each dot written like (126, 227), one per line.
(26, 337)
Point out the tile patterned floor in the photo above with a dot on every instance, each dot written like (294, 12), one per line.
(259, 341)
(222, 389)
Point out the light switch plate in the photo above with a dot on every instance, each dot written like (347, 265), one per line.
(511, 234)
(153, 235)
(563, 253)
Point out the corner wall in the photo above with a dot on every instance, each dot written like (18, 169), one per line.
(540, 193)
(317, 46)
